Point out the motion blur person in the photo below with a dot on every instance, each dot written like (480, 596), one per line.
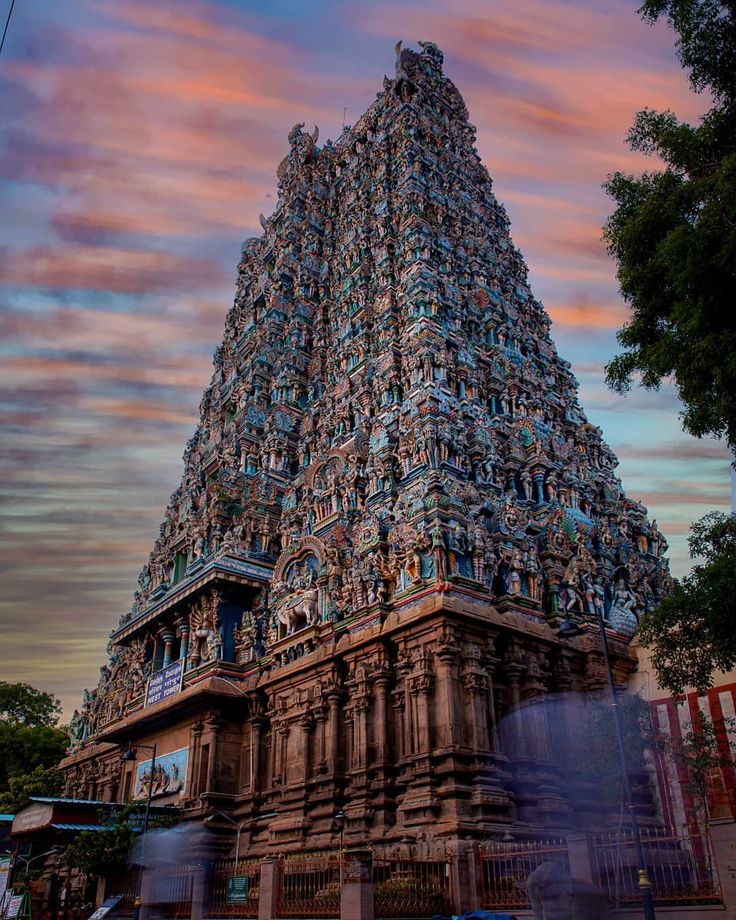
(175, 864)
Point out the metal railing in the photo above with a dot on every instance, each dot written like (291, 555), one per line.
(310, 886)
(234, 888)
(505, 867)
(679, 864)
(169, 891)
(407, 887)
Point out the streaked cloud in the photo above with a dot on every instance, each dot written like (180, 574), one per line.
(138, 145)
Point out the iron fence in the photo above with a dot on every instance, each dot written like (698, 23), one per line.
(680, 867)
(234, 888)
(168, 891)
(505, 867)
(310, 886)
(408, 887)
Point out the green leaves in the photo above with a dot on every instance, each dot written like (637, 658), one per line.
(673, 234)
(693, 630)
(30, 744)
(25, 705)
(41, 781)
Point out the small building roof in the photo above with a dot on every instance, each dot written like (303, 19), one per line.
(52, 800)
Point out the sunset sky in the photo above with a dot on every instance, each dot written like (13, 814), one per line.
(138, 144)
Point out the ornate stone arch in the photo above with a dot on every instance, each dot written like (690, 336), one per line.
(339, 452)
(304, 546)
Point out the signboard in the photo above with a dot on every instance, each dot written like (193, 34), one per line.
(165, 683)
(107, 905)
(32, 817)
(5, 864)
(16, 906)
(237, 889)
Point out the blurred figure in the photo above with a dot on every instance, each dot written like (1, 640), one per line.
(556, 895)
(175, 864)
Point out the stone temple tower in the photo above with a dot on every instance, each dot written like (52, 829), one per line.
(391, 499)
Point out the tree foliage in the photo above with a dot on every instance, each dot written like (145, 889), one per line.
(104, 852)
(704, 747)
(30, 744)
(693, 630)
(22, 704)
(673, 233)
(41, 781)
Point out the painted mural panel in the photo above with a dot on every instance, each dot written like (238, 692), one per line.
(169, 775)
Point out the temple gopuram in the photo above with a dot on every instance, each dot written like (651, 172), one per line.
(391, 501)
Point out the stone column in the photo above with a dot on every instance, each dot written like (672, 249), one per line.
(320, 751)
(381, 683)
(269, 890)
(356, 891)
(538, 479)
(398, 702)
(476, 686)
(167, 637)
(423, 685)
(334, 722)
(307, 726)
(195, 741)
(490, 666)
(184, 650)
(256, 732)
(516, 739)
(210, 736)
(447, 655)
(360, 708)
(280, 740)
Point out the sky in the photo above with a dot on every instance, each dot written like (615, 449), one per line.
(138, 145)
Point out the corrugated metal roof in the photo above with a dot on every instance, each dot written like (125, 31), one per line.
(60, 801)
(78, 827)
(5, 818)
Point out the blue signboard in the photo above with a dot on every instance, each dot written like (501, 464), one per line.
(165, 683)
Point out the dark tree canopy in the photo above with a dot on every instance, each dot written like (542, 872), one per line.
(25, 705)
(693, 630)
(21, 786)
(673, 233)
(31, 745)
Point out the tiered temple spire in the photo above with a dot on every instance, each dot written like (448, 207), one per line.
(388, 427)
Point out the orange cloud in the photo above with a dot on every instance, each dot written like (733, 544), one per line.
(101, 268)
(583, 312)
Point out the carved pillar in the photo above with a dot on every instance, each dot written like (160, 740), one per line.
(195, 742)
(320, 740)
(514, 736)
(210, 736)
(538, 480)
(280, 738)
(381, 682)
(398, 701)
(307, 726)
(422, 686)
(184, 632)
(491, 665)
(446, 691)
(333, 701)
(476, 686)
(256, 735)
(167, 637)
(360, 745)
